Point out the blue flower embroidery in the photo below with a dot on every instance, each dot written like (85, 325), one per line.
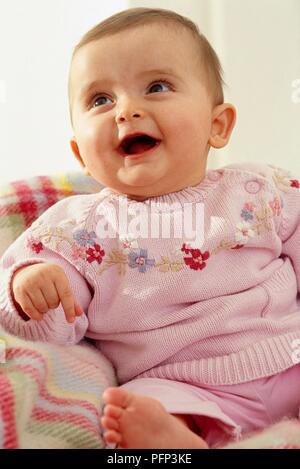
(140, 260)
(85, 238)
(247, 214)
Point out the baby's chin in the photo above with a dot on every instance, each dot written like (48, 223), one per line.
(140, 182)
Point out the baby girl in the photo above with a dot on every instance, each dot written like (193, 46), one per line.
(202, 331)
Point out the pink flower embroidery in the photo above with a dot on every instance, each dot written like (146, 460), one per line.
(95, 253)
(78, 252)
(140, 261)
(128, 243)
(249, 206)
(275, 206)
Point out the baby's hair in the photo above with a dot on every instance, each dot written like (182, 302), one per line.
(134, 17)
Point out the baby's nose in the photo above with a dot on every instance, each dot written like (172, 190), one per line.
(126, 115)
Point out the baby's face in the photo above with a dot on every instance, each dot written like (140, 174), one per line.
(147, 81)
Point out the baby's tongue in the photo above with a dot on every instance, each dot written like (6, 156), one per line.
(140, 147)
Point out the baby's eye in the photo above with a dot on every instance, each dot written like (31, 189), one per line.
(99, 99)
(160, 84)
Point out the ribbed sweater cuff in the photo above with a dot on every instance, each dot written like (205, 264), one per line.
(262, 359)
(52, 328)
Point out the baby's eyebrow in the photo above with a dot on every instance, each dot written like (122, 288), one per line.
(157, 71)
(90, 86)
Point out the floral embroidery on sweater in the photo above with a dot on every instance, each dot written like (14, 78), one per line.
(283, 179)
(140, 260)
(85, 238)
(256, 218)
(295, 183)
(83, 244)
(197, 259)
(35, 245)
(165, 264)
(115, 258)
(95, 253)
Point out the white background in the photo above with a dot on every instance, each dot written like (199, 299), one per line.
(36, 42)
(258, 42)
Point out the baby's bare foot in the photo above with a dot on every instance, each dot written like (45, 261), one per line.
(133, 421)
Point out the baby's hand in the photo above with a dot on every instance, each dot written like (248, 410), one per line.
(39, 287)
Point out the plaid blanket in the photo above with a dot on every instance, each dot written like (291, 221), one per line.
(51, 398)
(51, 395)
(22, 201)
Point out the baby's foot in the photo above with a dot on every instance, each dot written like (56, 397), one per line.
(133, 421)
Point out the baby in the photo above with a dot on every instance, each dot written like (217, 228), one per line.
(202, 330)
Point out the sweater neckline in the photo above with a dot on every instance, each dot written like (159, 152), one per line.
(189, 194)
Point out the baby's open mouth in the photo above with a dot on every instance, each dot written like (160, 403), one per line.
(136, 144)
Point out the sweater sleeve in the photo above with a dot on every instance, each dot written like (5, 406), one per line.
(289, 231)
(49, 239)
(286, 189)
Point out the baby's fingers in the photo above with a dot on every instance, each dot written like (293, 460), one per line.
(67, 299)
(38, 300)
(78, 310)
(29, 309)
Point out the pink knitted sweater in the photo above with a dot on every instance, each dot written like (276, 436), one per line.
(223, 312)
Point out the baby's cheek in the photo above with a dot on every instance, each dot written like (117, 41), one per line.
(99, 139)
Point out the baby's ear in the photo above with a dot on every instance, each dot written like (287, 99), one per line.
(222, 124)
(76, 153)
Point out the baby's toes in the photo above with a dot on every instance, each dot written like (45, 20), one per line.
(109, 423)
(117, 396)
(112, 437)
(112, 411)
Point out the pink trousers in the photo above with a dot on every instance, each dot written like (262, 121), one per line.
(225, 413)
